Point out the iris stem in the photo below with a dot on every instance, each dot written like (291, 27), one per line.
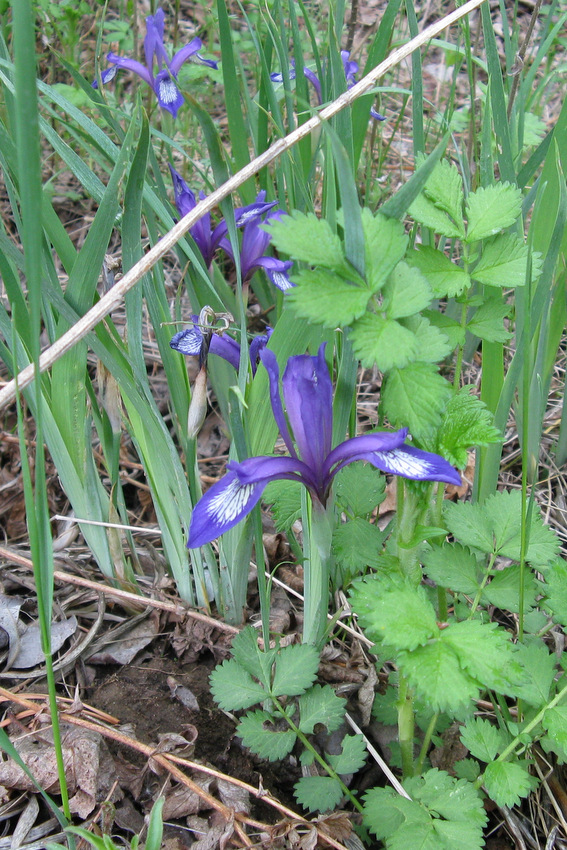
(317, 568)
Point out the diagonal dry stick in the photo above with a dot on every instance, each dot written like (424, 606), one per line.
(115, 295)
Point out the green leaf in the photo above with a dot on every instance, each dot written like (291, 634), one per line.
(352, 757)
(485, 652)
(415, 396)
(507, 782)
(467, 422)
(285, 499)
(435, 674)
(357, 544)
(234, 688)
(450, 327)
(385, 245)
(482, 739)
(405, 292)
(490, 209)
(470, 523)
(455, 800)
(539, 672)
(468, 769)
(318, 793)
(327, 299)
(432, 343)
(401, 618)
(360, 487)
(503, 262)
(504, 589)
(555, 589)
(247, 653)
(445, 278)
(453, 566)
(296, 670)
(488, 321)
(504, 509)
(425, 211)
(382, 342)
(320, 704)
(257, 733)
(555, 723)
(308, 239)
(386, 812)
(445, 189)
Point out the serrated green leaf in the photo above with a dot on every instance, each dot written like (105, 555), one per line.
(453, 799)
(425, 211)
(491, 209)
(539, 672)
(453, 566)
(504, 508)
(257, 733)
(467, 422)
(468, 769)
(357, 544)
(308, 239)
(296, 670)
(488, 321)
(445, 278)
(445, 189)
(503, 262)
(415, 396)
(320, 704)
(555, 589)
(470, 523)
(360, 487)
(382, 342)
(482, 739)
(247, 653)
(385, 245)
(401, 618)
(318, 793)
(485, 652)
(234, 688)
(435, 674)
(385, 812)
(352, 757)
(450, 327)
(405, 292)
(503, 591)
(432, 343)
(285, 499)
(507, 782)
(555, 723)
(327, 299)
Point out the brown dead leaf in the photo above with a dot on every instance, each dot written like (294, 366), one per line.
(233, 796)
(125, 649)
(88, 764)
(181, 802)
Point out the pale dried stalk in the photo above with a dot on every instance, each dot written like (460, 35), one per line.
(115, 295)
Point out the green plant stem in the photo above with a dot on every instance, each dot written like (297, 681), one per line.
(317, 571)
(406, 726)
(318, 758)
(476, 601)
(407, 520)
(426, 742)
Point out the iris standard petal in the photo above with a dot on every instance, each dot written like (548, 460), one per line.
(257, 345)
(308, 396)
(270, 362)
(153, 41)
(222, 507)
(168, 95)
(315, 82)
(131, 65)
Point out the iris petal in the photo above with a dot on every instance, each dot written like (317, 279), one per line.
(222, 507)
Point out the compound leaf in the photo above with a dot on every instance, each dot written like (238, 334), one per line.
(507, 782)
(445, 278)
(405, 292)
(327, 299)
(318, 793)
(352, 757)
(296, 670)
(467, 422)
(415, 396)
(308, 239)
(234, 688)
(482, 739)
(491, 209)
(385, 245)
(503, 262)
(257, 733)
(381, 342)
(320, 704)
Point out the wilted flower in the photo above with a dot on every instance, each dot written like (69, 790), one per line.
(164, 83)
(308, 396)
(350, 68)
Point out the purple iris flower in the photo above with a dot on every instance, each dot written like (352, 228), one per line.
(163, 83)
(350, 67)
(207, 238)
(255, 241)
(308, 396)
(190, 342)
